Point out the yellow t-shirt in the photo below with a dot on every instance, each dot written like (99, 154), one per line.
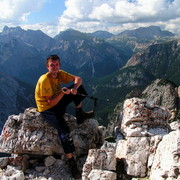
(49, 86)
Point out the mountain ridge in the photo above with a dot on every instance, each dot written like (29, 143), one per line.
(79, 52)
(149, 33)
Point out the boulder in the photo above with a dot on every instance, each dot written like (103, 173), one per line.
(135, 152)
(12, 173)
(144, 118)
(166, 163)
(100, 163)
(18, 161)
(28, 133)
(96, 174)
(144, 126)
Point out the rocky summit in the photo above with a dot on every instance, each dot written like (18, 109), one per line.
(146, 146)
(29, 133)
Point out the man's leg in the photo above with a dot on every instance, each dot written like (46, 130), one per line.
(66, 139)
(77, 99)
(63, 130)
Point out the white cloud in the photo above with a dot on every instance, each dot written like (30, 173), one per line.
(48, 29)
(92, 15)
(118, 14)
(12, 11)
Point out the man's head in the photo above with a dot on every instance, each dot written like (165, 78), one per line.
(52, 57)
(53, 65)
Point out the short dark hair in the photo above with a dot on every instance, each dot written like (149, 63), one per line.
(52, 57)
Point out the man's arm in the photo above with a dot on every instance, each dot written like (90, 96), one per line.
(53, 100)
(77, 82)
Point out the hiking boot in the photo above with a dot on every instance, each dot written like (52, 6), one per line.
(74, 170)
(82, 116)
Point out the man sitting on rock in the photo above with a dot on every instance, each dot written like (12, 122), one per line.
(52, 100)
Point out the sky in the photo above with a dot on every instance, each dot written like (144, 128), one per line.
(114, 16)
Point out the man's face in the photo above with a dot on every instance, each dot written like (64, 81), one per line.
(53, 66)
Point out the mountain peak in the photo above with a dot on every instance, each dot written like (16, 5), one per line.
(151, 32)
(101, 34)
(35, 38)
(7, 30)
(70, 34)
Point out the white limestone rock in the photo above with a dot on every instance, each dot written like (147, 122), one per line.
(100, 159)
(141, 118)
(135, 152)
(166, 164)
(101, 174)
(12, 173)
(28, 133)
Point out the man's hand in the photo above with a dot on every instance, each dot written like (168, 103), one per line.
(73, 91)
(66, 90)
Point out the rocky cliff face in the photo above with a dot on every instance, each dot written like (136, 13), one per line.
(157, 59)
(163, 93)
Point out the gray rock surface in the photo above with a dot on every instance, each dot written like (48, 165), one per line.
(162, 93)
(28, 133)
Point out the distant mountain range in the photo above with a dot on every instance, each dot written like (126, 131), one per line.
(144, 33)
(80, 53)
(111, 65)
(147, 33)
